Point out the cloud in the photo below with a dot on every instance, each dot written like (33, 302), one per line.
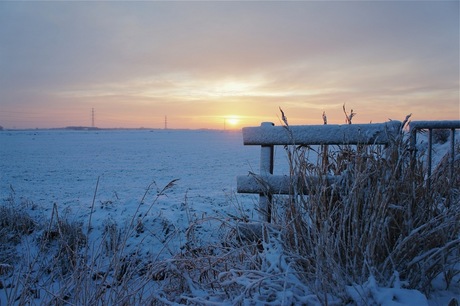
(308, 55)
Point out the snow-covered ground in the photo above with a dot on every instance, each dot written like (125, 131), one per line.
(63, 166)
(43, 168)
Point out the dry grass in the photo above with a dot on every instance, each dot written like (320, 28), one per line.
(60, 264)
(15, 223)
(378, 218)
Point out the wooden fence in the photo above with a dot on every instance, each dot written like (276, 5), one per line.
(267, 136)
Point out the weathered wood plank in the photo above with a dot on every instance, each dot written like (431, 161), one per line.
(377, 133)
(442, 124)
(275, 184)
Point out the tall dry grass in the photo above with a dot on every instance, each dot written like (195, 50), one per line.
(63, 262)
(377, 218)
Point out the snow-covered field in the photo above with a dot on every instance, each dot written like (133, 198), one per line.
(68, 169)
(62, 167)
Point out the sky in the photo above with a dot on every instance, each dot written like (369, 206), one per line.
(226, 64)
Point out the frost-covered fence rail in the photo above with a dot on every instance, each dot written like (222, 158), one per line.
(267, 136)
(416, 126)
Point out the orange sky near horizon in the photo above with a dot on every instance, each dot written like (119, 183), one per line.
(226, 65)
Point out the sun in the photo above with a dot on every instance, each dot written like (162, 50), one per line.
(233, 120)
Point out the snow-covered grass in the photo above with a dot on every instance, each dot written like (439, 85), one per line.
(378, 220)
(376, 237)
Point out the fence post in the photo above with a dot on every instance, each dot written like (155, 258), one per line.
(430, 157)
(413, 147)
(452, 153)
(266, 168)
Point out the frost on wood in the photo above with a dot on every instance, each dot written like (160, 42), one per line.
(443, 124)
(253, 183)
(377, 133)
(275, 184)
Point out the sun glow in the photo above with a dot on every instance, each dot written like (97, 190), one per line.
(233, 120)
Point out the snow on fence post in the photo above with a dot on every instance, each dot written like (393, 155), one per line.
(266, 169)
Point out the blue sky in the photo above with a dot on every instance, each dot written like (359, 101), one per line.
(201, 63)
